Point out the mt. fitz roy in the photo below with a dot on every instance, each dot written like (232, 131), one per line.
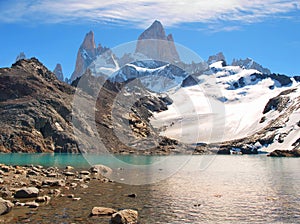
(158, 102)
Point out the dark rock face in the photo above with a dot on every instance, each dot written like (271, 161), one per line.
(297, 78)
(279, 102)
(285, 153)
(189, 81)
(282, 79)
(35, 112)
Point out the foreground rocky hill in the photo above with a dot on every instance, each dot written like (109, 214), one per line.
(36, 114)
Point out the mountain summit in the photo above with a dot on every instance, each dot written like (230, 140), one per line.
(155, 44)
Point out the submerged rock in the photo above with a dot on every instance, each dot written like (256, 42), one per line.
(102, 211)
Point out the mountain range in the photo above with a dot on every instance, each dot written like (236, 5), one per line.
(148, 100)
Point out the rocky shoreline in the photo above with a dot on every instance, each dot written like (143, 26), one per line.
(31, 187)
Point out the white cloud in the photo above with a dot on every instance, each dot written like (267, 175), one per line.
(142, 12)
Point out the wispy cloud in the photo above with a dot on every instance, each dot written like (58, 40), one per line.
(142, 12)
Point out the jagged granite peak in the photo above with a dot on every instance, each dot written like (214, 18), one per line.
(217, 57)
(20, 56)
(155, 31)
(89, 41)
(249, 63)
(58, 72)
(87, 53)
(155, 44)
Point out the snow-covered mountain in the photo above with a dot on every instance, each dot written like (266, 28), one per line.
(156, 76)
(228, 103)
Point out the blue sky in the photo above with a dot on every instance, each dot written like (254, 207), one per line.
(267, 31)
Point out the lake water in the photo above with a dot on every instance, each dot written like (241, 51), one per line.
(202, 189)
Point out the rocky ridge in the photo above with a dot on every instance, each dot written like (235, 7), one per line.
(35, 110)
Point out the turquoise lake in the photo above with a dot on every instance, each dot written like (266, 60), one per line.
(181, 189)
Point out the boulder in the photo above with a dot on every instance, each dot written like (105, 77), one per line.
(27, 192)
(101, 169)
(102, 211)
(5, 206)
(5, 192)
(126, 216)
(55, 183)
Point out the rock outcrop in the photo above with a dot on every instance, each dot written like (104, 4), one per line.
(285, 153)
(58, 72)
(155, 44)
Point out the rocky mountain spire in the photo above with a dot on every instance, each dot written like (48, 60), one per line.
(154, 44)
(89, 41)
(20, 56)
(58, 72)
(87, 53)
